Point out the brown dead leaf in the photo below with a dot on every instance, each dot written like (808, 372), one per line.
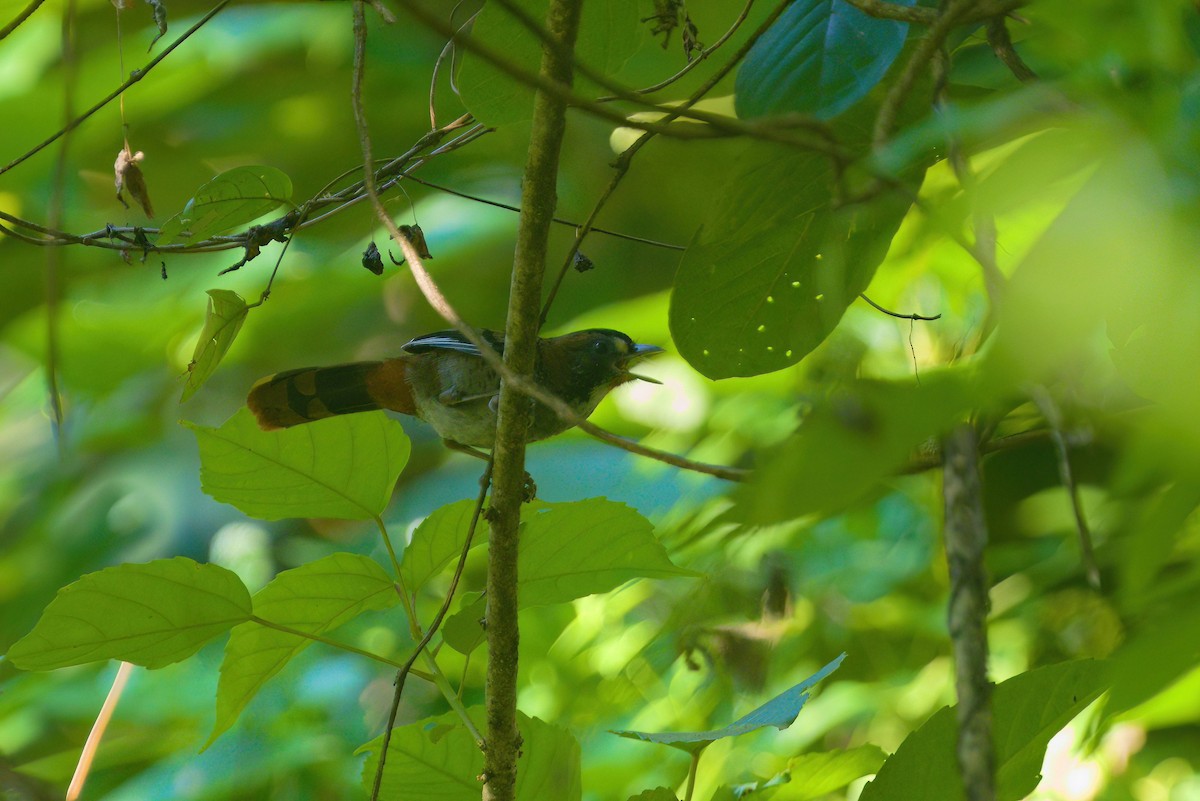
(129, 176)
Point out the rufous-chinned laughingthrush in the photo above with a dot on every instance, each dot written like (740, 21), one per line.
(443, 380)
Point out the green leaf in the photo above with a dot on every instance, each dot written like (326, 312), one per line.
(657, 794)
(1027, 710)
(437, 761)
(463, 630)
(231, 199)
(314, 598)
(149, 614)
(437, 541)
(774, 266)
(569, 550)
(851, 441)
(608, 35)
(779, 712)
(549, 765)
(222, 322)
(343, 466)
(819, 58)
(816, 775)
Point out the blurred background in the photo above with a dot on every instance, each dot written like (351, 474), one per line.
(269, 84)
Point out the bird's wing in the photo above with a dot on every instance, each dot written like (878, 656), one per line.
(452, 340)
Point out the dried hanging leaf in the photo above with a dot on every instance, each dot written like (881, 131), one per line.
(129, 176)
(372, 260)
(160, 20)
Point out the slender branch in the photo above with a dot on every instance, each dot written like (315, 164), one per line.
(1053, 415)
(360, 120)
(341, 646)
(1002, 45)
(891, 313)
(777, 129)
(719, 471)
(559, 220)
(966, 539)
(883, 10)
(25, 14)
(133, 78)
(515, 412)
(708, 51)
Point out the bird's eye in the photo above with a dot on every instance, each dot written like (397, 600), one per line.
(602, 346)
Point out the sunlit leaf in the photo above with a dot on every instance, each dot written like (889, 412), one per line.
(815, 776)
(222, 322)
(549, 763)
(569, 550)
(1027, 710)
(313, 598)
(463, 631)
(436, 760)
(774, 266)
(436, 541)
(657, 794)
(231, 199)
(779, 712)
(818, 58)
(149, 614)
(344, 466)
(608, 35)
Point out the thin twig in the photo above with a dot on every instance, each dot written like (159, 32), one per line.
(20, 18)
(695, 62)
(1002, 45)
(778, 129)
(1050, 411)
(134, 77)
(891, 313)
(437, 64)
(607, 231)
(883, 10)
(360, 45)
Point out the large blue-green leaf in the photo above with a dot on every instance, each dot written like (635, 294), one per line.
(779, 712)
(150, 614)
(774, 266)
(819, 58)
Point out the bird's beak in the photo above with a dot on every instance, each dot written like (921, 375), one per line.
(639, 352)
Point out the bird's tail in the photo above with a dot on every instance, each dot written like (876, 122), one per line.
(314, 393)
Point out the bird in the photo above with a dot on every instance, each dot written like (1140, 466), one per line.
(442, 378)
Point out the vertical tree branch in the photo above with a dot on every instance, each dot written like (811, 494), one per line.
(538, 200)
(966, 537)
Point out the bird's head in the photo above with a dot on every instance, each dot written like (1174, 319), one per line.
(583, 366)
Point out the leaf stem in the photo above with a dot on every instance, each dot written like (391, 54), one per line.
(335, 644)
(692, 770)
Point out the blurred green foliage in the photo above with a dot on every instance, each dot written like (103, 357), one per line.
(1093, 176)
